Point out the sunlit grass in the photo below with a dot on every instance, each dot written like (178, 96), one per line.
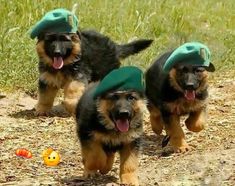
(168, 22)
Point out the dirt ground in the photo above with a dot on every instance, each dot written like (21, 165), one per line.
(210, 162)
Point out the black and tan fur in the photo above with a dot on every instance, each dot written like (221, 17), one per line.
(100, 137)
(88, 56)
(168, 99)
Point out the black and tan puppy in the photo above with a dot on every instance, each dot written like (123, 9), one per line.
(176, 85)
(109, 120)
(70, 59)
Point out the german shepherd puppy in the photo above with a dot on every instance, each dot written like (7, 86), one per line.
(71, 61)
(108, 124)
(181, 91)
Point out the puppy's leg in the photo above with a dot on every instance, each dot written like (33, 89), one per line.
(196, 120)
(156, 120)
(46, 98)
(73, 91)
(109, 163)
(129, 164)
(175, 132)
(94, 158)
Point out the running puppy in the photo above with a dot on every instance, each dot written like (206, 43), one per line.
(109, 119)
(176, 85)
(70, 59)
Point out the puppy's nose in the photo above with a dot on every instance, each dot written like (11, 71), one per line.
(124, 114)
(189, 86)
(57, 51)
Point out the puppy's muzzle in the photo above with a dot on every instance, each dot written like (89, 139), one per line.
(121, 119)
(57, 52)
(190, 86)
(123, 114)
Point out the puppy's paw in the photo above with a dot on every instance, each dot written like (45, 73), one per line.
(182, 149)
(41, 110)
(195, 122)
(195, 127)
(89, 174)
(129, 179)
(41, 113)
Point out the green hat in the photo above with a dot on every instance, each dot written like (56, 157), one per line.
(193, 53)
(58, 20)
(124, 78)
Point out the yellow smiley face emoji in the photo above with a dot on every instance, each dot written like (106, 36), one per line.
(51, 157)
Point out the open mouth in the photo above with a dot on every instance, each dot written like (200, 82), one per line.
(189, 94)
(58, 62)
(122, 124)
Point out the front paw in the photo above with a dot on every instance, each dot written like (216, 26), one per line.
(181, 149)
(129, 179)
(89, 174)
(194, 126)
(42, 110)
(179, 144)
(70, 105)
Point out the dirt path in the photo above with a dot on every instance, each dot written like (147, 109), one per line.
(211, 162)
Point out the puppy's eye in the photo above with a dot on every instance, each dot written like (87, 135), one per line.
(113, 97)
(183, 69)
(50, 37)
(130, 98)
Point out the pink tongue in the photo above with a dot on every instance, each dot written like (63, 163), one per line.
(58, 62)
(189, 94)
(122, 125)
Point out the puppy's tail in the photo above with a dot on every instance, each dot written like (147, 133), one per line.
(133, 47)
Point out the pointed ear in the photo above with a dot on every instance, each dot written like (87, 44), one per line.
(211, 68)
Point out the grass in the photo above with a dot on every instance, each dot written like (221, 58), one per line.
(168, 22)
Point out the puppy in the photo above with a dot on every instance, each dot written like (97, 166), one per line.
(182, 90)
(109, 119)
(70, 58)
(71, 61)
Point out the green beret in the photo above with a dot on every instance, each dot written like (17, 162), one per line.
(124, 78)
(58, 21)
(193, 53)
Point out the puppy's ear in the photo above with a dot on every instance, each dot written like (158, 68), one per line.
(211, 68)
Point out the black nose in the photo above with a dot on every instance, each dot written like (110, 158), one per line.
(189, 86)
(57, 50)
(123, 114)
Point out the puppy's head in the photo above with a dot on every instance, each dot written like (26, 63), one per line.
(121, 110)
(58, 49)
(189, 79)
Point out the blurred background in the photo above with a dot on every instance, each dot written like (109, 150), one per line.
(169, 22)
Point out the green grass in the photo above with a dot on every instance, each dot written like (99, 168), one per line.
(168, 22)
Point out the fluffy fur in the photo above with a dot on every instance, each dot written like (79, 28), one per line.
(182, 91)
(100, 130)
(72, 61)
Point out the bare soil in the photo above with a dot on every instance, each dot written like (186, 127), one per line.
(210, 162)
